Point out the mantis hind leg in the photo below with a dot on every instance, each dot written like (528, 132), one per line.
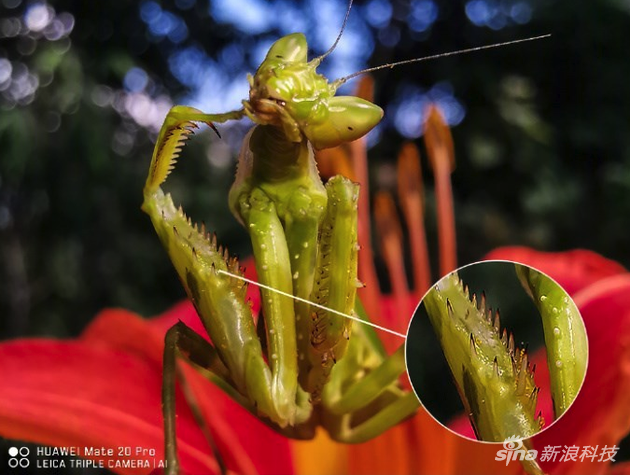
(181, 340)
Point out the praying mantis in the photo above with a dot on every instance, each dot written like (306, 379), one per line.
(303, 235)
(316, 369)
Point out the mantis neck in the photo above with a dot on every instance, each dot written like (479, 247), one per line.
(277, 159)
(272, 163)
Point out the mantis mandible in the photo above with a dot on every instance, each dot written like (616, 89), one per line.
(317, 369)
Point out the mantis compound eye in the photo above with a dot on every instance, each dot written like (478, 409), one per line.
(492, 358)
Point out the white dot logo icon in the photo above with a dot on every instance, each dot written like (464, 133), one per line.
(21, 462)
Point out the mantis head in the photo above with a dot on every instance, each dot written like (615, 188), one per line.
(286, 91)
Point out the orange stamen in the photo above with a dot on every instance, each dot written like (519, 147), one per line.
(370, 295)
(334, 161)
(411, 195)
(391, 243)
(439, 143)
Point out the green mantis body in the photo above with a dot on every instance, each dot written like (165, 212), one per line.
(303, 235)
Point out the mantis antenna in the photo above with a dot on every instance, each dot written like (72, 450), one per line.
(343, 80)
(319, 59)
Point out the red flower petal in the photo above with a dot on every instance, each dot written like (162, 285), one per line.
(183, 311)
(573, 270)
(250, 444)
(105, 390)
(68, 394)
(105, 331)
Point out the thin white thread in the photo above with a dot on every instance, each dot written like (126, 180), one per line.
(299, 299)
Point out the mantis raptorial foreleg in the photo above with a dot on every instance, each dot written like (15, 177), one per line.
(335, 283)
(284, 177)
(494, 377)
(272, 265)
(271, 388)
(183, 342)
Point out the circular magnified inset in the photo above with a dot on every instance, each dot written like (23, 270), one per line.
(496, 351)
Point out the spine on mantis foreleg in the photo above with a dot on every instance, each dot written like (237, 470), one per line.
(565, 336)
(492, 375)
(168, 146)
(338, 249)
